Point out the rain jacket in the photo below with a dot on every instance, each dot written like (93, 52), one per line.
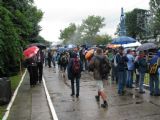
(69, 70)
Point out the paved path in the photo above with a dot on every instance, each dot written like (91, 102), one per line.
(131, 106)
(30, 103)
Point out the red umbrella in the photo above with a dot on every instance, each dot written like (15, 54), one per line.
(30, 52)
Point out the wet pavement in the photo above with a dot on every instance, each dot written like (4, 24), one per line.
(30, 103)
(131, 106)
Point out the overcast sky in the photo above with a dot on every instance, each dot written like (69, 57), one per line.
(58, 14)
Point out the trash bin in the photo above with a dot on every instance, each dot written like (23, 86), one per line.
(5, 90)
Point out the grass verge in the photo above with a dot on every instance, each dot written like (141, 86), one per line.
(14, 83)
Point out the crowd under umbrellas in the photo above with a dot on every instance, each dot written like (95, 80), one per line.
(123, 50)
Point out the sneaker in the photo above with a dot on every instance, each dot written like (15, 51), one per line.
(77, 95)
(104, 105)
(72, 95)
(97, 98)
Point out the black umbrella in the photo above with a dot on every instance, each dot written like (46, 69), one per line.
(40, 45)
(147, 46)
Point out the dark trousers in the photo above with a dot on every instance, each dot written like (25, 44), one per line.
(33, 74)
(121, 81)
(49, 62)
(137, 80)
(77, 86)
(40, 71)
(154, 84)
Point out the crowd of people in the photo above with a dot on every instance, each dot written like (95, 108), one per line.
(123, 66)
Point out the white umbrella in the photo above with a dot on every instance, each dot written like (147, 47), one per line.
(129, 45)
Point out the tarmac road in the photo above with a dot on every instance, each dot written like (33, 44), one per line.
(131, 106)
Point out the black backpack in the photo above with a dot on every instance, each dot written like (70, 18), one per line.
(76, 66)
(64, 60)
(104, 67)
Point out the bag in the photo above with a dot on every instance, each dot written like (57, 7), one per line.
(104, 67)
(153, 69)
(76, 66)
(91, 66)
(64, 60)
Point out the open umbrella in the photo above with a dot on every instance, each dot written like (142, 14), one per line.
(147, 46)
(89, 54)
(30, 52)
(61, 49)
(113, 46)
(123, 40)
(40, 45)
(129, 45)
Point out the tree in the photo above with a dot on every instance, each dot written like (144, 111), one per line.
(91, 26)
(10, 44)
(67, 34)
(155, 10)
(103, 39)
(136, 22)
(18, 25)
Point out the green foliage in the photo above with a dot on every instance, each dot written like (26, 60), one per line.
(15, 81)
(155, 10)
(135, 23)
(18, 25)
(85, 33)
(103, 39)
(91, 26)
(67, 34)
(2, 111)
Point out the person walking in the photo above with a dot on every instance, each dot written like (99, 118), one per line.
(142, 69)
(153, 73)
(95, 64)
(49, 58)
(114, 72)
(31, 65)
(121, 63)
(40, 61)
(63, 63)
(130, 69)
(54, 58)
(74, 73)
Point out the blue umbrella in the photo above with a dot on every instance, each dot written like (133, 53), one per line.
(123, 40)
(61, 49)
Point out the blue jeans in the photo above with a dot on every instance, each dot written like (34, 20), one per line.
(154, 84)
(141, 81)
(77, 86)
(121, 81)
(129, 78)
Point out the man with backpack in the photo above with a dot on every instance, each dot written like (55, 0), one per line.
(154, 80)
(97, 65)
(63, 62)
(142, 69)
(74, 72)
